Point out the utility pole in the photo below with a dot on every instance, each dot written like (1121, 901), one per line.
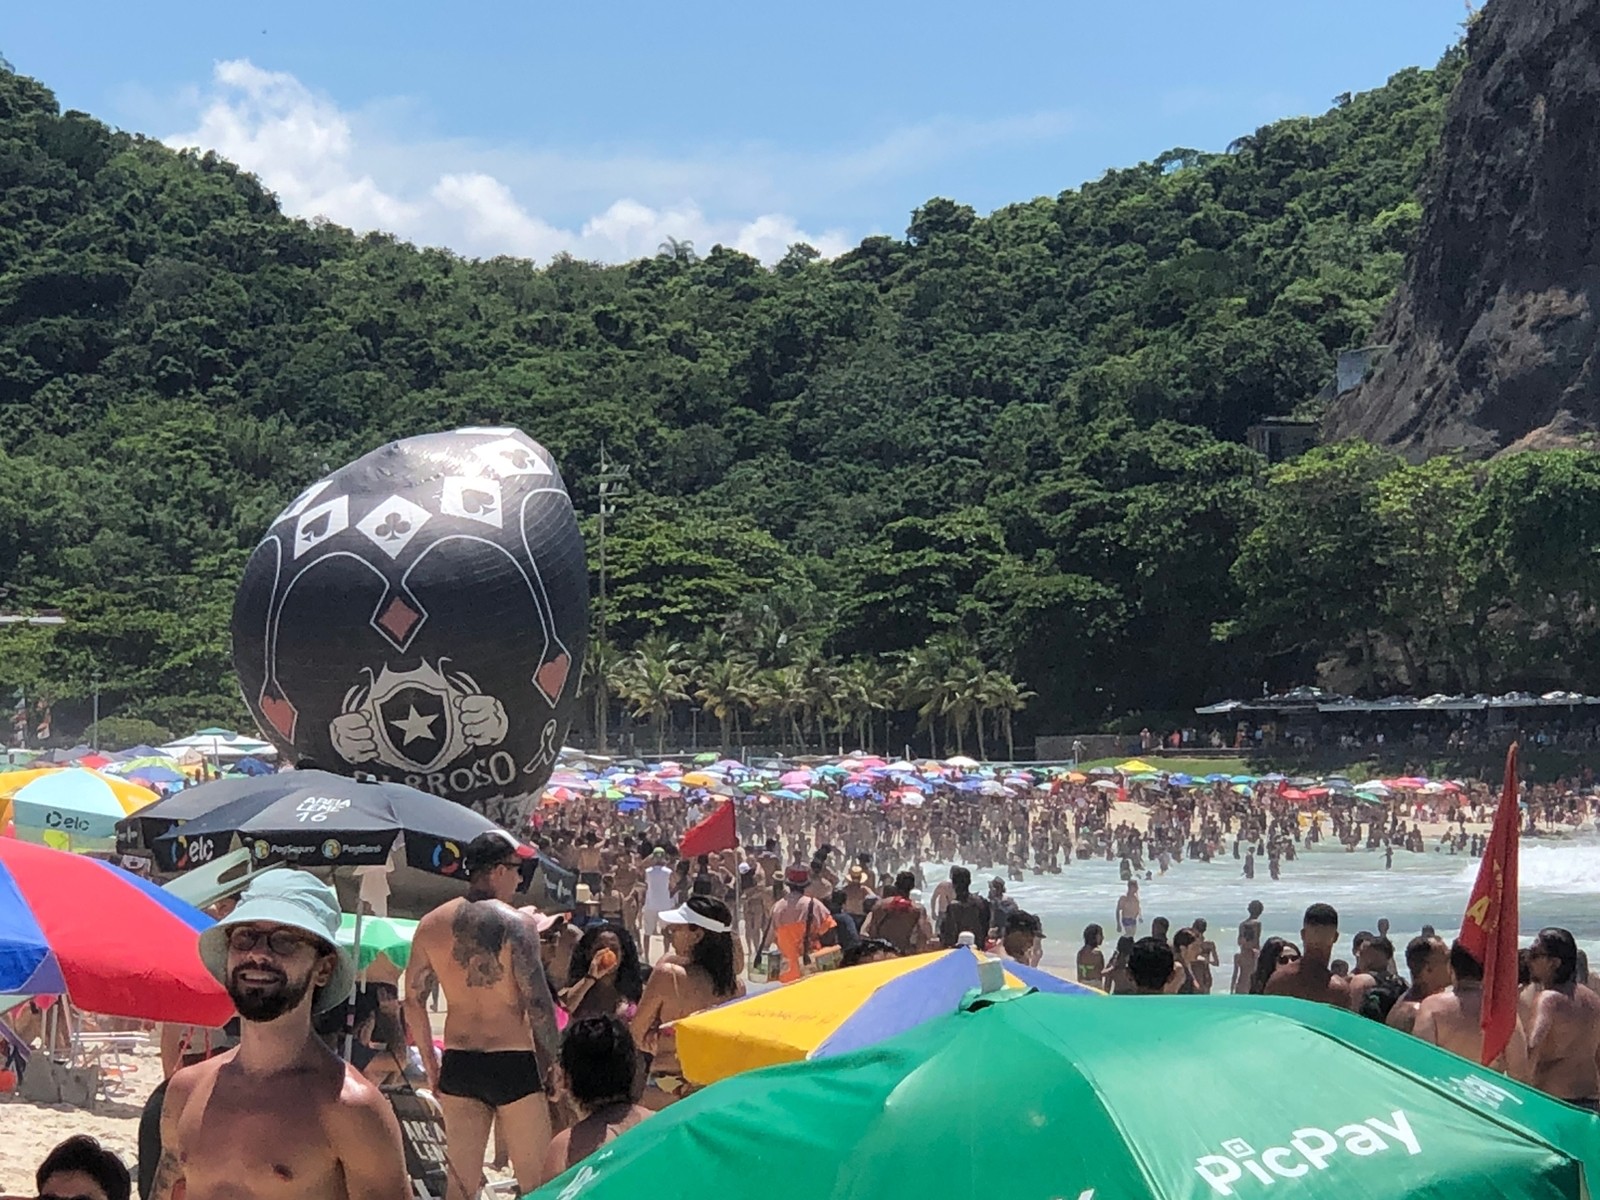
(94, 682)
(612, 481)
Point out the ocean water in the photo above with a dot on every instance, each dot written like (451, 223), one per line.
(1559, 885)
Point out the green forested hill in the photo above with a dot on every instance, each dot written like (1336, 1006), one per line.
(1000, 453)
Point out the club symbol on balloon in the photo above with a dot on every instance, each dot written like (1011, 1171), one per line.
(416, 720)
(393, 527)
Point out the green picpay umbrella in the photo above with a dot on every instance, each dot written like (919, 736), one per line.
(1141, 1098)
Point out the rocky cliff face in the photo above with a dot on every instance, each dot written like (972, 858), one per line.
(1496, 330)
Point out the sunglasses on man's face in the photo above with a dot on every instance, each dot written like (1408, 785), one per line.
(282, 942)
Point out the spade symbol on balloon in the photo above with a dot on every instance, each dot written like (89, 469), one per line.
(393, 527)
(315, 528)
(474, 502)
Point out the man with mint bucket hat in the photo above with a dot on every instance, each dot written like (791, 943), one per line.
(280, 1106)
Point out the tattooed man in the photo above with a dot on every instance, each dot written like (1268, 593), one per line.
(500, 1037)
(279, 1115)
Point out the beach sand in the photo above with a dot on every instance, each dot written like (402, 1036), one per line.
(32, 1130)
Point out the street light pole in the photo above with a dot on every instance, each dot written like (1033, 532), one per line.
(95, 683)
(612, 482)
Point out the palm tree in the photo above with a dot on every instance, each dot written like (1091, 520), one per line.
(920, 691)
(1005, 696)
(822, 694)
(854, 699)
(652, 681)
(677, 251)
(783, 697)
(723, 689)
(599, 669)
(958, 699)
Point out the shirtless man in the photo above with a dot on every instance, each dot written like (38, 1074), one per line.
(279, 1115)
(1310, 977)
(1453, 1018)
(1128, 910)
(1428, 960)
(500, 1029)
(1207, 958)
(755, 897)
(1249, 953)
(1564, 1037)
(944, 892)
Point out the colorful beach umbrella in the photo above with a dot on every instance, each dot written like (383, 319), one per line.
(388, 936)
(76, 807)
(835, 1012)
(115, 944)
(1051, 1096)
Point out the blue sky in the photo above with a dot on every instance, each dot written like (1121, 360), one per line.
(534, 127)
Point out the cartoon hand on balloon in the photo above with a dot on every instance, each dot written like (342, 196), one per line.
(483, 720)
(353, 737)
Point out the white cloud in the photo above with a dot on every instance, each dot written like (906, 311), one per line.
(366, 170)
(321, 163)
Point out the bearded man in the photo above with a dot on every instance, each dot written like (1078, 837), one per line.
(279, 1115)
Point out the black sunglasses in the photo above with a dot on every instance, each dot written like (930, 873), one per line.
(282, 942)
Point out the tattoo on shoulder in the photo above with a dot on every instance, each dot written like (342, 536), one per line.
(478, 935)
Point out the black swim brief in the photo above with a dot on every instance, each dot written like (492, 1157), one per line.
(1589, 1105)
(493, 1077)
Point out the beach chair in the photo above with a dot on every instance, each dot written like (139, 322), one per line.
(113, 1056)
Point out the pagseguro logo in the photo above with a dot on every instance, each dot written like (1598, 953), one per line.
(1308, 1149)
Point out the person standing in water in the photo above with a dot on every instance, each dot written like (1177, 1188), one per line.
(1128, 910)
(1091, 959)
(1249, 942)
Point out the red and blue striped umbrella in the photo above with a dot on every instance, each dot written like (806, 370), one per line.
(112, 942)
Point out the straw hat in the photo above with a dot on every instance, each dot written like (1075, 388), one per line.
(295, 899)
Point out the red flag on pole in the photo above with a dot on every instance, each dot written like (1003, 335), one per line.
(718, 832)
(1489, 928)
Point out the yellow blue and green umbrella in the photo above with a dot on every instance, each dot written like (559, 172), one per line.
(835, 1012)
(75, 808)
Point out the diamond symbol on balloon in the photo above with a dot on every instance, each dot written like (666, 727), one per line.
(511, 456)
(474, 499)
(398, 621)
(317, 525)
(392, 524)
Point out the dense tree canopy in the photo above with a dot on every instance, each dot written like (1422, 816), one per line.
(1000, 456)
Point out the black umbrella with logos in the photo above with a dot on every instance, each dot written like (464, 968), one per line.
(312, 819)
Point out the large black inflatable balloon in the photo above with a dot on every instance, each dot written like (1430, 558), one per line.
(420, 614)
